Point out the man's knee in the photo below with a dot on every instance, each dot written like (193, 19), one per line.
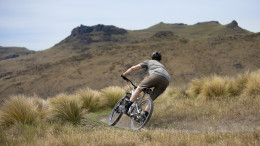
(139, 89)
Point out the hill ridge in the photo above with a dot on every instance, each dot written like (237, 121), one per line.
(95, 57)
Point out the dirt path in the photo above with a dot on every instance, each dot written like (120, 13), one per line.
(197, 126)
(124, 122)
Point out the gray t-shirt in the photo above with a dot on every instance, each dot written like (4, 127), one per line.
(155, 67)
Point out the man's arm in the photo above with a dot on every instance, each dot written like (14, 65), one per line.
(132, 69)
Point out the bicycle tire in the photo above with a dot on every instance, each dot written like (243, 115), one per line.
(112, 122)
(133, 120)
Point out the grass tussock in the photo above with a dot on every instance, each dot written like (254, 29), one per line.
(253, 85)
(65, 108)
(19, 109)
(217, 87)
(111, 95)
(239, 84)
(90, 99)
(195, 87)
(41, 105)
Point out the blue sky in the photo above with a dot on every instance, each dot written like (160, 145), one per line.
(40, 24)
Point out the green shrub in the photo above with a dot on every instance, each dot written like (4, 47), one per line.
(18, 109)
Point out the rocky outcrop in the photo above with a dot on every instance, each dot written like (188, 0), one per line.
(233, 24)
(108, 30)
(97, 33)
(233, 28)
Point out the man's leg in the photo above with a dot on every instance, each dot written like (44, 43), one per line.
(134, 96)
(160, 87)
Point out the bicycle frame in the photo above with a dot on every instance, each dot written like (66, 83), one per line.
(135, 104)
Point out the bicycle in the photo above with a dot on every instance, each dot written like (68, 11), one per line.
(136, 111)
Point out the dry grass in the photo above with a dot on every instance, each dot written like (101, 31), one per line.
(195, 87)
(215, 87)
(111, 95)
(239, 84)
(90, 99)
(78, 135)
(19, 109)
(171, 111)
(253, 85)
(41, 105)
(65, 108)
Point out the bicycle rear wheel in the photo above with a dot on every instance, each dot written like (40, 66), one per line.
(116, 113)
(139, 120)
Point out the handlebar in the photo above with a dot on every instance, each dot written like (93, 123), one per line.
(125, 78)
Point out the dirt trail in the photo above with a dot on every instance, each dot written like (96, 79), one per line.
(124, 122)
(197, 126)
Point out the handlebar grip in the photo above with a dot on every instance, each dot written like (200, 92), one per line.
(124, 77)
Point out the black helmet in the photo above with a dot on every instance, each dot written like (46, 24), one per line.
(156, 56)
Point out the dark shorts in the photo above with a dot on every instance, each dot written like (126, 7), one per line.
(159, 83)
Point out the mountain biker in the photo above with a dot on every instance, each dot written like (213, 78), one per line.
(158, 78)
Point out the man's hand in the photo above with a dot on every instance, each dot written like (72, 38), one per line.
(124, 77)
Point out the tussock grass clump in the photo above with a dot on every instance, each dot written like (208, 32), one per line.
(253, 84)
(215, 87)
(18, 109)
(41, 105)
(239, 84)
(111, 95)
(65, 109)
(195, 87)
(90, 99)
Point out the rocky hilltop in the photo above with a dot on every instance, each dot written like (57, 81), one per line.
(107, 30)
(97, 33)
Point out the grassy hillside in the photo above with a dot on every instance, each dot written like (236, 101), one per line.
(213, 110)
(13, 52)
(96, 56)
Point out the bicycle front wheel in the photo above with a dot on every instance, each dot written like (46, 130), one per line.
(116, 113)
(140, 119)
